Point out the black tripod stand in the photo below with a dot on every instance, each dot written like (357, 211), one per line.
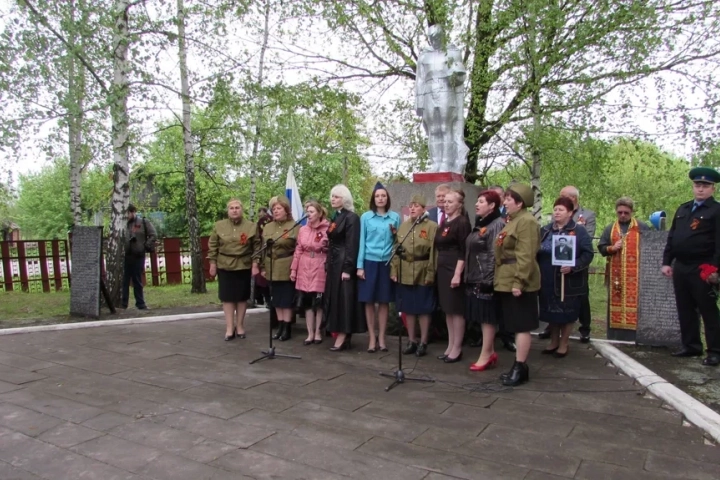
(270, 352)
(398, 375)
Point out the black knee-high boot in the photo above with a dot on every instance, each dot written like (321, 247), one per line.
(287, 333)
(280, 331)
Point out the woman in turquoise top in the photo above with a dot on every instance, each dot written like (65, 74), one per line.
(377, 236)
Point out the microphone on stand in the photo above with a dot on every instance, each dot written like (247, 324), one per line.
(422, 217)
(302, 219)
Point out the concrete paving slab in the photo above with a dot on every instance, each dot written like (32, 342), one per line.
(68, 435)
(121, 453)
(160, 401)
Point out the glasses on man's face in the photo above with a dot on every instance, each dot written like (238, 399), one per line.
(624, 212)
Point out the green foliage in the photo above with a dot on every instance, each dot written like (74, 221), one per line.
(604, 171)
(314, 129)
(42, 209)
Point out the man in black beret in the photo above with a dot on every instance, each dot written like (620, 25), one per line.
(693, 245)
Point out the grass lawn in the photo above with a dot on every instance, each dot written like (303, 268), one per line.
(20, 308)
(598, 306)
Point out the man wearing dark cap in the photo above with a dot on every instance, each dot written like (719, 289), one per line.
(694, 241)
(140, 239)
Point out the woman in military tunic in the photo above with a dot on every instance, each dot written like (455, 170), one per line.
(343, 311)
(230, 248)
(517, 276)
(414, 272)
(282, 232)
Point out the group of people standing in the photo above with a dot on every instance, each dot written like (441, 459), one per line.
(344, 270)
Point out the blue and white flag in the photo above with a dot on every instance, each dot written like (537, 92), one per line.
(292, 192)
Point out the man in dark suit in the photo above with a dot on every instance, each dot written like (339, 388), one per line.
(563, 252)
(437, 213)
(693, 244)
(500, 191)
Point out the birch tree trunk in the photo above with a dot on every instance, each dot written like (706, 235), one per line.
(258, 125)
(198, 277)
(536, 166)
(119, 94)
(75, 103)
(260, 106)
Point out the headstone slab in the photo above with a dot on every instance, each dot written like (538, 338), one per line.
(658, 323)
(85, 277)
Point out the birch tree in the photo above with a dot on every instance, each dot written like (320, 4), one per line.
(587, 50)
(198, 278)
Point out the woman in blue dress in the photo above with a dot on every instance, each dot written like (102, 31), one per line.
(560, 313)
(377, 236)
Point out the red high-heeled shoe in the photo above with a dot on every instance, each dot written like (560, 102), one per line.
(492, 361)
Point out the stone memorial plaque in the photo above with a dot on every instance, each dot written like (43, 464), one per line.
(658, 323)
(85, 271)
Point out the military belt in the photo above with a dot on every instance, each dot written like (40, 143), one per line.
(415, 258)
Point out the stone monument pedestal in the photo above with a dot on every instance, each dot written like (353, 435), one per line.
(438, 177)
(425, 184)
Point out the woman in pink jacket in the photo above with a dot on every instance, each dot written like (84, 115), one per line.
(308, 268)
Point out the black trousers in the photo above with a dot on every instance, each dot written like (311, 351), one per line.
(585, 316)
(694, 299)
(134, 267)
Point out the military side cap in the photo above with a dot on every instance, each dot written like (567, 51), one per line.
(705, 175)
(525, 192)
(378, 186)
(419, 199)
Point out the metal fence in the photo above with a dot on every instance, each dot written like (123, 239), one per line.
(45, 265)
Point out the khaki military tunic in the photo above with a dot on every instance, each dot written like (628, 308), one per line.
(283, 248)
(516, 248)
(232, 244)
(419, 259)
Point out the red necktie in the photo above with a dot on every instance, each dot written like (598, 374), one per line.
(442, 218)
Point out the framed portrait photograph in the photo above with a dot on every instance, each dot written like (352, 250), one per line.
(563, 250)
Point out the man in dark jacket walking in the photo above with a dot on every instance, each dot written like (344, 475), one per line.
(141, 237)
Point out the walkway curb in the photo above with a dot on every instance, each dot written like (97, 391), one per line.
(124, 321)
(693, 410)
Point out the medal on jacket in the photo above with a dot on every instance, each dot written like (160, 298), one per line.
(695, 224)
(482, 231)
(243, 239)
(333, 225)
(580, 219)
(318, 236)
(285, 233)
(500, 239)
(445, 231)
(423, 234)
(393, 230)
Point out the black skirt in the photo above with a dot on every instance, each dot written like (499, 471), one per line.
(234, 285)
(520, 314)
(283, 294)
(481, 306)
(452, 300)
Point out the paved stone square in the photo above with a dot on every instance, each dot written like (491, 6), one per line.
(174, 401)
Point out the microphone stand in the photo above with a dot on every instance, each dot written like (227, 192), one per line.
(398, 375)
(270, 353)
